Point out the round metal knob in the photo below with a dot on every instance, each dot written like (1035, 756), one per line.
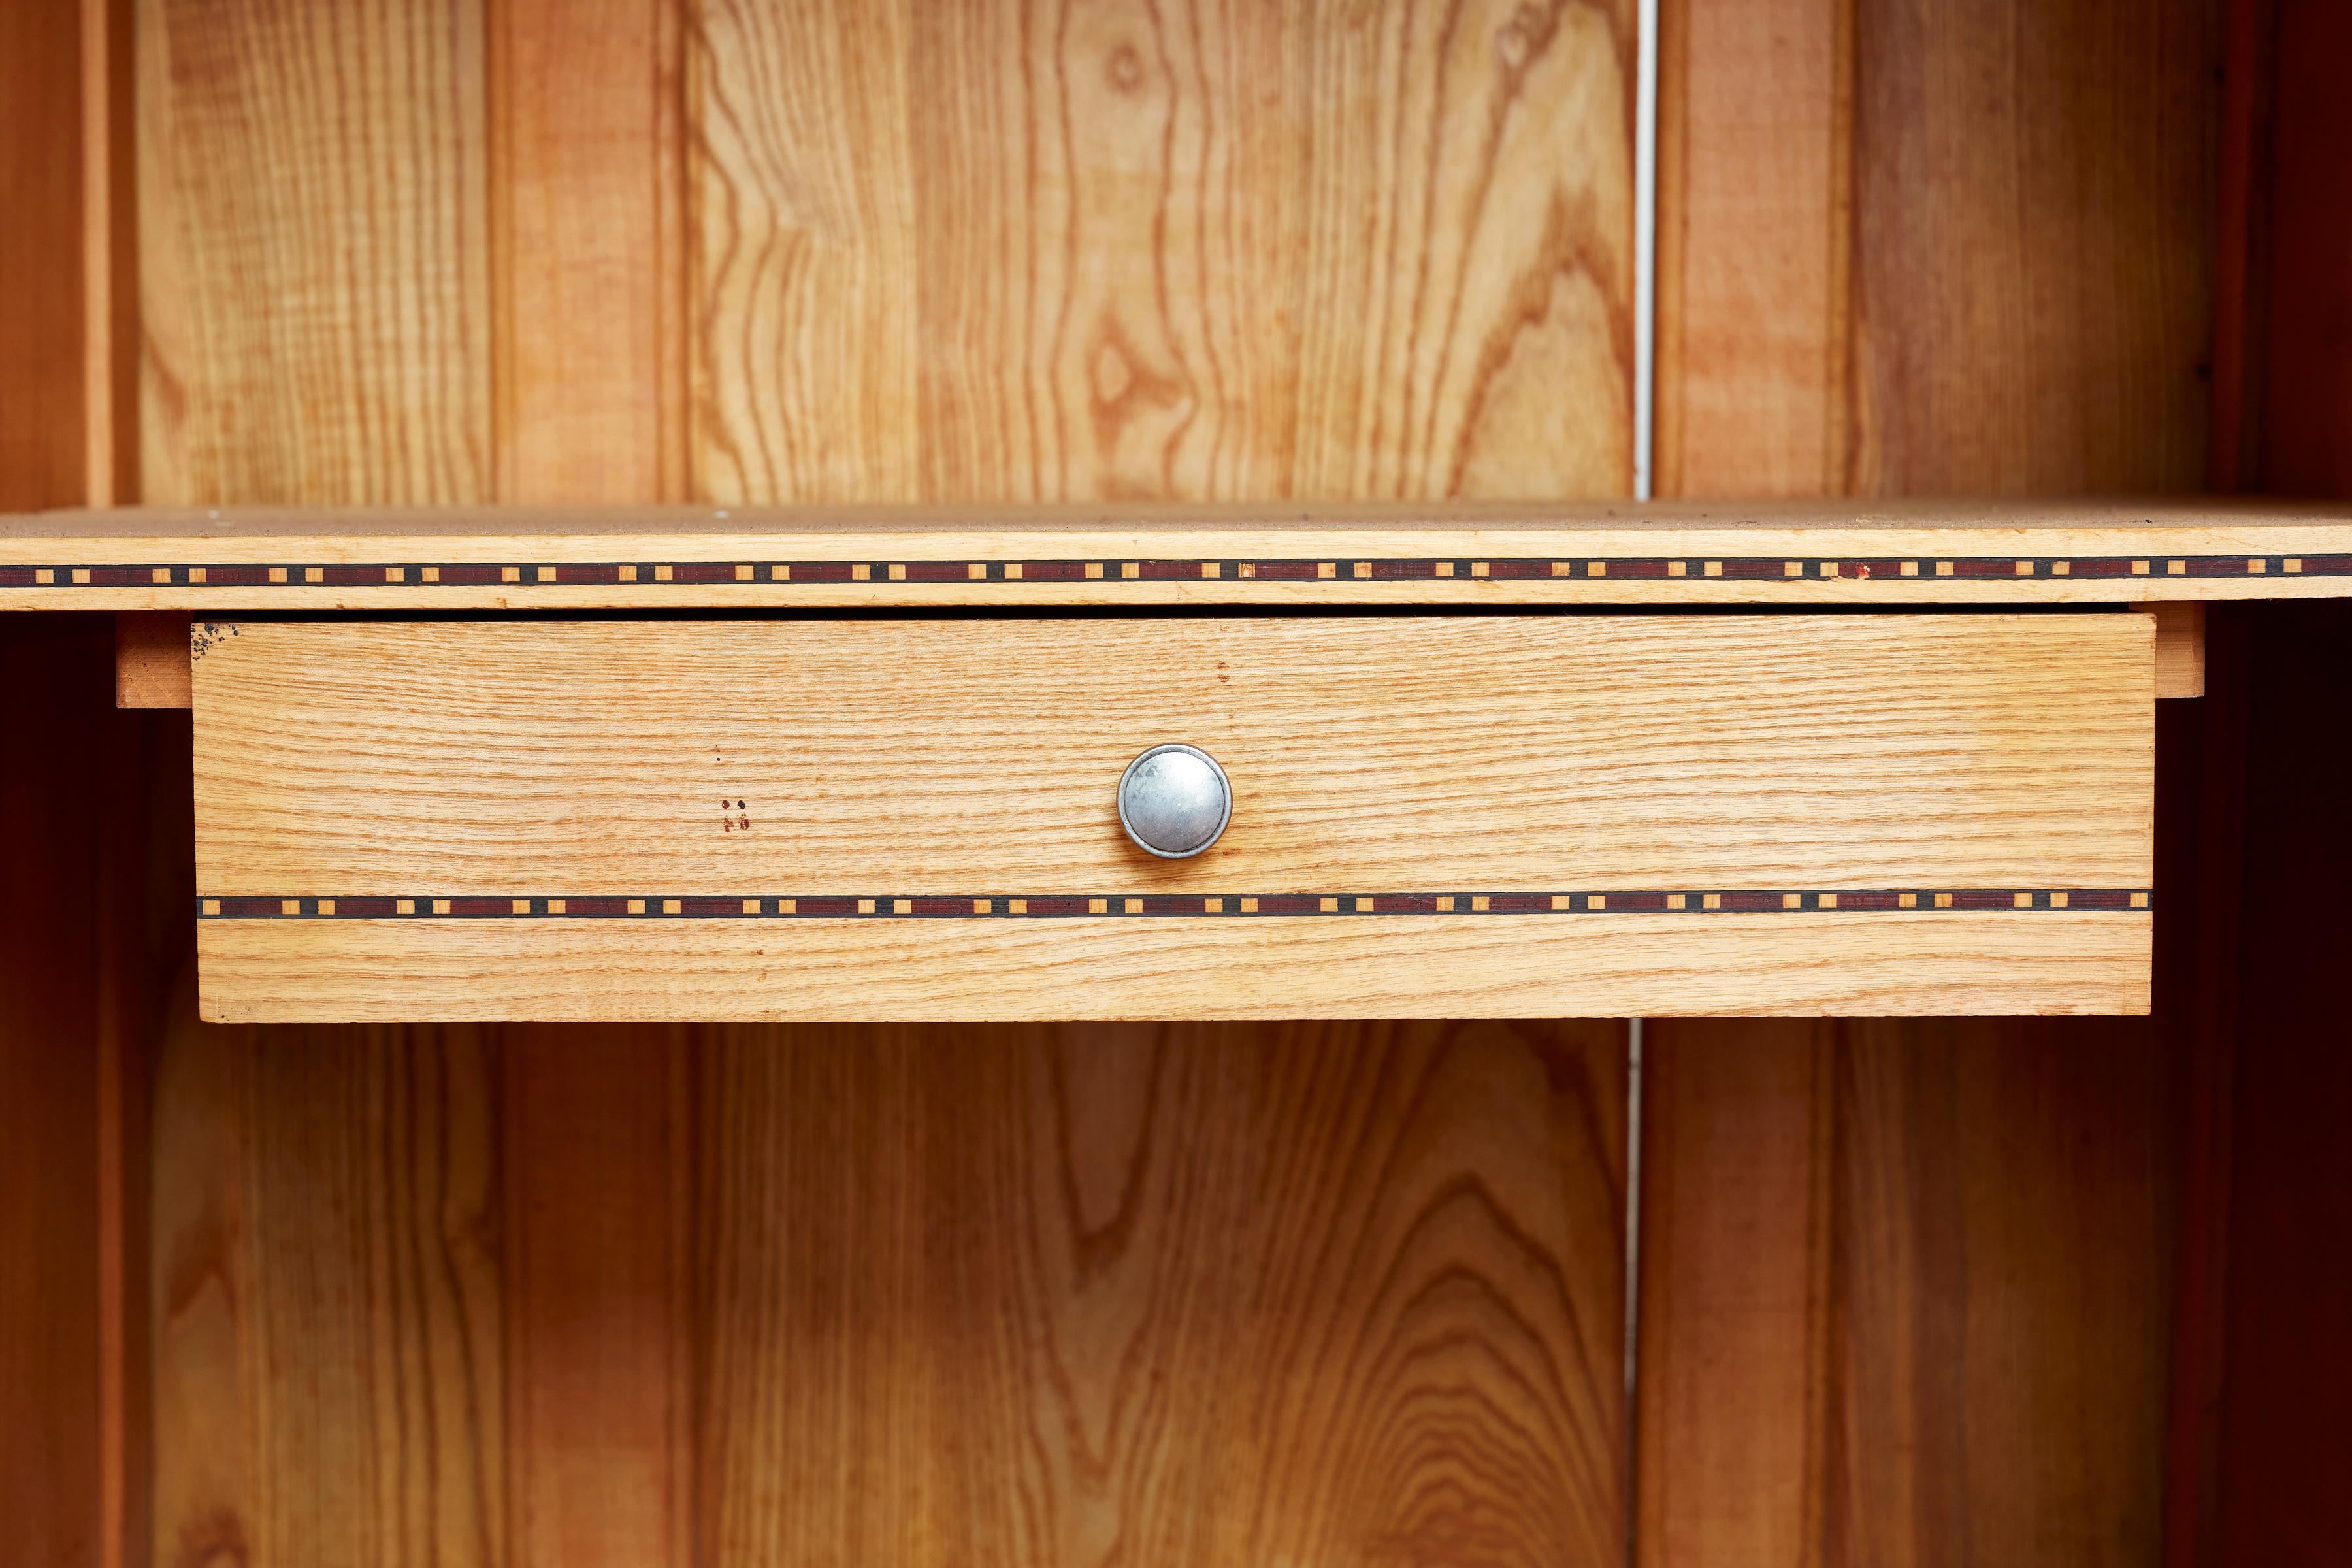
(1174, 801)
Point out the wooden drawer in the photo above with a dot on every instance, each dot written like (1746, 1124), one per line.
(1497, 814)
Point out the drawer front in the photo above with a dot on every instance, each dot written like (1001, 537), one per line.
(917, 819)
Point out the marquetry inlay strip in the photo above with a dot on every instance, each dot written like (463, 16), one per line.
(1109, 572)
(888, 906)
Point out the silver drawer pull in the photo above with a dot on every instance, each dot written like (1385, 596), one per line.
(1174, 801)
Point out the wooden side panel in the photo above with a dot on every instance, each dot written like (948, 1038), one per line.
(314, 250)
(2305, 405)
(2273, 1451)
(327, 1327)
(1018, 254)
(1191, 1295)
(51, 1240)
(1963, 1229)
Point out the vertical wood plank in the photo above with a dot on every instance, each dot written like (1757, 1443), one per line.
(2034, 198)
(2003, 1263)
(313, 234)
(313, 252)
(1110, 231)
(1025, 251)
(1174, 1295)
(588, 252)
(805, 241)
(596, 1311)
(1467, 325)
(327, 1329)
(43, 435)
(2024, 307)
(590, 255)
(1734, 1380)
(1755, 145)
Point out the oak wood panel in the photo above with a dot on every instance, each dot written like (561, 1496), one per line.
(327, 1304)
(1792, 552)
(313, 251)
(1023, 253)
(1323, 1295)
(981, 758)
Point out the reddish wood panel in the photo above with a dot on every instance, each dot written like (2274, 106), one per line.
(50, 1237)
(2306, 414)
(597, 1332)
(2263, 1369)
(2271, 1468)
(1989, 272)
(42, 450)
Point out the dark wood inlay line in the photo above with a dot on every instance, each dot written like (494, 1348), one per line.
(1145, 906)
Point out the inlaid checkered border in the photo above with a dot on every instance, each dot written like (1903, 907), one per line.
(887, 906)
(1110, 572)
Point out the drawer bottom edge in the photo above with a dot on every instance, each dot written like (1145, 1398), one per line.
(1800, 964)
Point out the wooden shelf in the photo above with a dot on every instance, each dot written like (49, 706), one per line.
(1616, 552)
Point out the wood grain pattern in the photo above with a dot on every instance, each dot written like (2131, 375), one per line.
(1327, 1295)
(1999, 252)
(1390, 755)
(1023, 253)
(1940, 1227)
(1807, 554)
(327, 1302)
(330, 162)
(1404, 966)
(1989, 271)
